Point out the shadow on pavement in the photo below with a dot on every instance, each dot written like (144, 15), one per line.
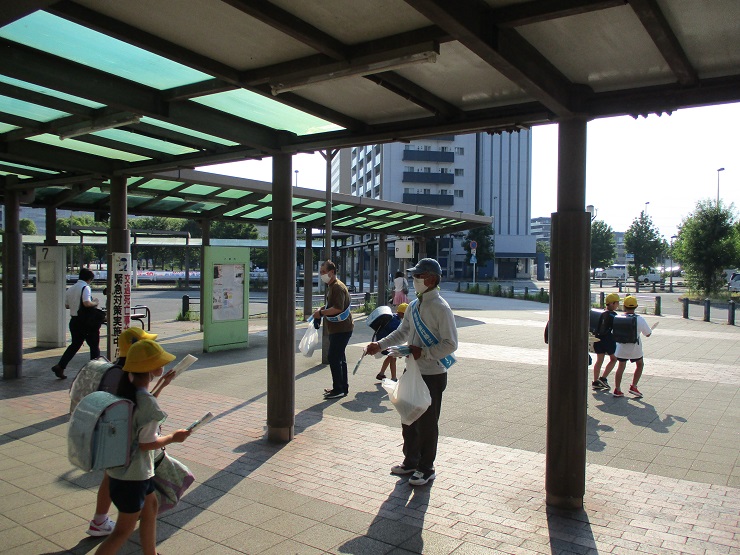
(570, 531)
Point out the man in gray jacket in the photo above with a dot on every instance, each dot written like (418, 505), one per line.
(430, 330)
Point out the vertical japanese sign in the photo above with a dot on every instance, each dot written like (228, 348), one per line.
(119, 318)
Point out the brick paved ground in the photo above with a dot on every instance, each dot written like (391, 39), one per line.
(662, 475)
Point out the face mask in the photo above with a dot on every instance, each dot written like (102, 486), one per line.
(326, 278)
(419, 285)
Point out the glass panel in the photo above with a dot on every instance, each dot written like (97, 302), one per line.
(316, 205)
(265, 212)
(28, 110)
(412, 228)
(233, 194)
(160, 185)
(201, 190)
(309, 218)
(145, 142)
(241, 209)
(79, 146)
(50, 92)
(266, 111)
(5, 127)
(186, 131)
(57, 36)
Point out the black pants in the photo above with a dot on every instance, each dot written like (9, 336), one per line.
(81, 334)
(420, 438)
(338, 360)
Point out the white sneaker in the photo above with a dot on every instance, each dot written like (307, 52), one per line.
(104, 529)
(400, 469)
(420, 478)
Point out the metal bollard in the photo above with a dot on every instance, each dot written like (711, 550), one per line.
(526, 292)
(601, 300)
(637, 286)
(658, 305)
(686, 308)
(458, 287)
(512, 291)
(185, 304)
(488, 289)
(619, 285)
(601, 283)
(731, 313)
(707, 309)
(654, 287)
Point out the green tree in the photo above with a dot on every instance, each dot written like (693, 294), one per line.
(644, 241)
(27, 227)
(603, 246)
(544, 247)
(90, 253)
(708, 241)
(484, 236)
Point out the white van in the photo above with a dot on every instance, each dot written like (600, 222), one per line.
(616, 271)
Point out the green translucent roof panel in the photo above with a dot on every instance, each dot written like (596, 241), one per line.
(186, 131)
(241, 209)
(201, 190)
(57, 36)
(24, 167)
(28, 110)
(50, 92)
(80, 146)
(232, 194)
(413, 228)
(160, 185)
(341, 207)
(151, 143)
(309, 218)
(5, 127)
(261, 213)
(266, 111)
(316, 205)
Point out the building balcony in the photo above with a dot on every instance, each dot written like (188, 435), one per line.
(428, 200)
(429, 177)
(428, 156)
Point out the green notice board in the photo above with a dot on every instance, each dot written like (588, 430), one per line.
(225, 298)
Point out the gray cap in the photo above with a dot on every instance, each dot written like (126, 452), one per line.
(426, 266)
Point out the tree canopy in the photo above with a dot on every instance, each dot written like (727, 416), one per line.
(484, 236)
(643, 240)
(708, 241)
(603, 246)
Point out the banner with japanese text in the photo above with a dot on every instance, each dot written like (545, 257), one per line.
(120, 299)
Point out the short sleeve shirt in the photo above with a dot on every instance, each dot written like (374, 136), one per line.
(634, 350)
(80, 291)
(337, 296)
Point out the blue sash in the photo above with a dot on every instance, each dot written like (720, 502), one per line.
(341, 317)
(427, 337)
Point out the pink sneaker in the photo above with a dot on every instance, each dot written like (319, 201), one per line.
(617, 393)
(635, 391)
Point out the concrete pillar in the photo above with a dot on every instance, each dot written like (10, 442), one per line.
(51, 229)
(119, 238)
(12, 286)
(308, 275)
(281, 305)
(565, 469)
(382, 270)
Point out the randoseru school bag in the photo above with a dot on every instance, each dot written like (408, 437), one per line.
(600, 322)
(624, 328)
(96, 375)
(99, 434)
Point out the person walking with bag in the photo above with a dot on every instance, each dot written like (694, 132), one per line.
(400, 289)
(83, 330)
(430, 331)
(339, 325)
(131, 487)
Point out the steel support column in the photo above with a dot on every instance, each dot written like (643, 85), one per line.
(205, 226)
(12, 286)
(51, 228)
(565, 469)
(308, 275)
(372, 266)
(281, 305)
(382, 269)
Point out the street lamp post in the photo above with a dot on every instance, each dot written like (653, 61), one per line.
(645, 211)
(296, 178)
(671, 278)
(718, 170)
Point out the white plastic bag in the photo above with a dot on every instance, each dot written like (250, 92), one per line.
(310, 339)
(410, 394)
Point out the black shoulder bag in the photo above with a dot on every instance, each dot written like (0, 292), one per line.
(90, 316)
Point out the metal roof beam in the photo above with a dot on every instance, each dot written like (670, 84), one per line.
(656, 24)
(292, 26)
(537, 11)
(62, 75)
(69, 194)
(41, 99)
(472, 24)
(411, 91)
(32, 153)
(13, 10)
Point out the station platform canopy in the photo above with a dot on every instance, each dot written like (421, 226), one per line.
(92, 89)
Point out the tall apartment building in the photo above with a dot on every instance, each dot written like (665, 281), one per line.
(463, 173)
(541, 228)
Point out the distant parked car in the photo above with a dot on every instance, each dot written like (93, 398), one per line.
(617, 271)
(651, 277)
(734, 285)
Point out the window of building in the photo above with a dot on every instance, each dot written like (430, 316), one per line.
(427, 170)
(459, 171)
(459, 150)
(427, 147)
(407, 191)
(444, 149)
(444, 170)
(459, 193)
(427, 191)
(443, 191)
(408, 168)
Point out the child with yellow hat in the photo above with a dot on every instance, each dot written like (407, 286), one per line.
(606, 345)
(131, 487)
(631, 351)
(392, 325)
